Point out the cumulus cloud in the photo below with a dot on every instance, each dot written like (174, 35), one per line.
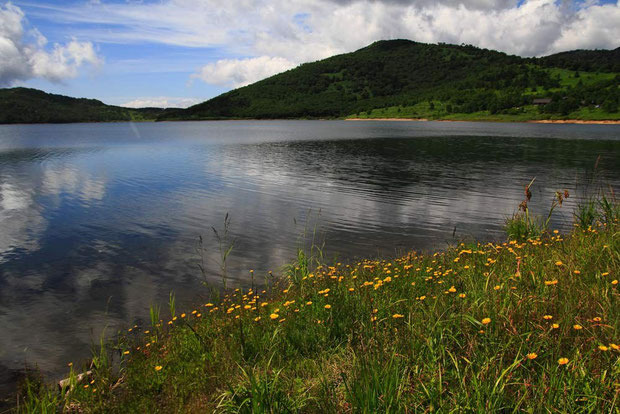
(592, 28)
(241, 72)
(23, 53)
(470, 4)
(161, 102)
(260, 37)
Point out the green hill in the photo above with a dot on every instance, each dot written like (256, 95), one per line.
(390, 78)
(401, 78)
(23, 105)
(584, 60)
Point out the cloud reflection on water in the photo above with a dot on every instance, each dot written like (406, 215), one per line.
(94, 234)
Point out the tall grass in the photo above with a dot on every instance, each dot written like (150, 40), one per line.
(519, 326)
(523, 225)
(598, 202)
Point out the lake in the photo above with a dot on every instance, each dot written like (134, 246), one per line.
(98, 221)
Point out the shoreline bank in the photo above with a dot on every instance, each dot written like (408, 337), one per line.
(365, 334)
(575, 121)
(533, 121)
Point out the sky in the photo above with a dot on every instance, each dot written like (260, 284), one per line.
(180, 52)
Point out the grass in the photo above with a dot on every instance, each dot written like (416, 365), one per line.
(520, 326)
(566, 78)
(570, 79)
(527, 113)
(423, 110)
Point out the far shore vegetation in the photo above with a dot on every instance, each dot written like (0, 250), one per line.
(526, 325)
(387, 79)
(405, 79)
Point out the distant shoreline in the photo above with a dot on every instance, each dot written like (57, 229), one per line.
(387, 119)
(575, 121)
(533, 121)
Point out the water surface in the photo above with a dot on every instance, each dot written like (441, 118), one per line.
(98, 221)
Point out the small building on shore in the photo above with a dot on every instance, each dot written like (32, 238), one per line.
(541, 101)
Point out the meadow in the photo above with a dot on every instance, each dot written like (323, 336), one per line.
(526, 325)
(525, 113)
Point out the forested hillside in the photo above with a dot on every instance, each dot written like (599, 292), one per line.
(405, 78)
(584, 60)
(393, 78)
(23, 105)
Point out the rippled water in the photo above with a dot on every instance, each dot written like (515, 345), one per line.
(98, 221)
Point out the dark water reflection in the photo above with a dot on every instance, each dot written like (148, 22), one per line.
(99, 221)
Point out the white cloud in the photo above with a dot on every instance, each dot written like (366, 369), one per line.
(65, 179)
(257, 38)
(161, 102)
(241, 72)
(597, 27)
(23, 54)
(20, 221)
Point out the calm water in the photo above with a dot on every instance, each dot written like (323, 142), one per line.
(97, 221)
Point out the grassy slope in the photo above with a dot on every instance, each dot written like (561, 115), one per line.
(395, 78)
(445, 331)
(468, 83)
(526, 113)
(567, 79)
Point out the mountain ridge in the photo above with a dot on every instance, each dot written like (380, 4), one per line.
(27, 105)
(460, 79)
(387, 79)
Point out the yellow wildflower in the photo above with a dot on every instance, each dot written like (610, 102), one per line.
(274, 316)
(563, 361)
(158, 368)
(532, 355)
(328, 306)
(486, 321)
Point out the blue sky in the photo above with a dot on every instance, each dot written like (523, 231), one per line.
(180, 52)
